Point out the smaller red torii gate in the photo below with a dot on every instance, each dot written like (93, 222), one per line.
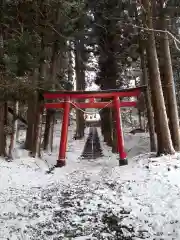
(113, 96)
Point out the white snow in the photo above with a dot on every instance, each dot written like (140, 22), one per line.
(91, 199)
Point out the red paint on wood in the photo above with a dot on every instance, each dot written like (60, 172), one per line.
(64, 134)
(120, 139)
(90, 105)
(73, 95)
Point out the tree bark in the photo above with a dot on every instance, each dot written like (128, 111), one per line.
(165, 145)
(14, 130)
(42, 78)
(51, 136)
(29, 132)
(2, 129)
(47, 129)
(168, 85)
(150, 115)
(39, 137)
(30, 113)
(80, 84)
(36, 127)
(70, 63)
(50, 113)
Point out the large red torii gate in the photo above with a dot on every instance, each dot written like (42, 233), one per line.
(113, 96)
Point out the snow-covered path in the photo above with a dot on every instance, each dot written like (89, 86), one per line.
(91, 199)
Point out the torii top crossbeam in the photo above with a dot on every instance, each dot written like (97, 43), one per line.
(129, 92)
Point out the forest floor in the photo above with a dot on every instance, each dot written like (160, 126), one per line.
(91, 199)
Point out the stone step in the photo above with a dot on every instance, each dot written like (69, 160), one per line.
(92, 148)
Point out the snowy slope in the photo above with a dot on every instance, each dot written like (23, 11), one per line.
(91, 199)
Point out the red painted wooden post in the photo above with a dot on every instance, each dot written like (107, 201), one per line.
(64, 134)
(120, 139)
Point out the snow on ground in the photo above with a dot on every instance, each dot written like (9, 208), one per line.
(91, 199)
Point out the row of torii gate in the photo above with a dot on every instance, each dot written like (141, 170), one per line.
(68, 101)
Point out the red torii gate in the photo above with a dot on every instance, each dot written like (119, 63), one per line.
(68, 98)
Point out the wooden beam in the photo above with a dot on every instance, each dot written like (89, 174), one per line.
(134, 92)
(89, 105)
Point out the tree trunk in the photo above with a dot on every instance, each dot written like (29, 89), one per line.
(56, 70)
(140, 119)
(2, 129)
(50, 113)
(150, 116)
(107, 126)
(51, 136)
(70, 63)
(37, 106)
(14, 129)
(139, 110)
(40, 132)
(30, 114)
(177, 76)
(80, 84)
(3, 110)
(29, 132)
(168, 86)
(36, 128)
(163, 133)
(16, 122)
(47, 129)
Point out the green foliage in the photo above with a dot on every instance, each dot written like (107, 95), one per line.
(21, 56)
(29, 28)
